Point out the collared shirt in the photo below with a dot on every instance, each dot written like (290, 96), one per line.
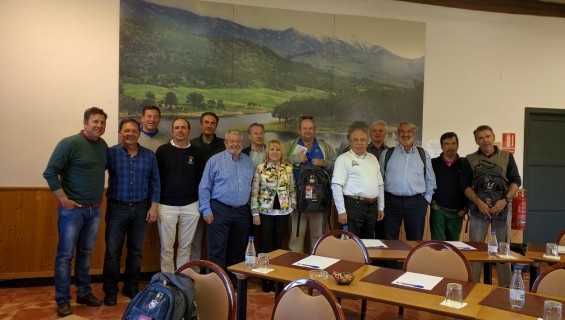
(227, 180)
(376, 151)
(404, 174)
(132, 179)
(355, 175)
(258, 156)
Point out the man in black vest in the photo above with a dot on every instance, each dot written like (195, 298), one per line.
(495, 213)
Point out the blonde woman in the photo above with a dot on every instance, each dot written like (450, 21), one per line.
(273, 198)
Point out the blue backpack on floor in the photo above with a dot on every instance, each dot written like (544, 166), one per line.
(169, 296)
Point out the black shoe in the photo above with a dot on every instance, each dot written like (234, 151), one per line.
(64, 309)
(110, 299)
(90, 300)
(130, 293)
(268, 286)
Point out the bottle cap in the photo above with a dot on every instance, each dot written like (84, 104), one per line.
(517, 268)
(251, 237)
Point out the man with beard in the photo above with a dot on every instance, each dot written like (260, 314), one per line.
(409, 185)
(224, 194)
(449, 201)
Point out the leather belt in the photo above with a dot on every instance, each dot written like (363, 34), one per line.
(229, 206)
(404, 197)
(363, 199)
(126, 203)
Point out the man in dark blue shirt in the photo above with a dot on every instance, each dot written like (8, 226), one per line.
(133, 198)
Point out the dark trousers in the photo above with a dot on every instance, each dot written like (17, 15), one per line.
(410, 209)
(273, 230)
(227, 234)
(122, 220)
(361, 217)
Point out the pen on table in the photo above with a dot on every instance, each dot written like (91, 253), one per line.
(418, 286)
(308, 265)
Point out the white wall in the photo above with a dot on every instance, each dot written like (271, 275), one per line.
(59, 57)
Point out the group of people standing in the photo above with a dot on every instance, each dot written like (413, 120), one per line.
(209, 185)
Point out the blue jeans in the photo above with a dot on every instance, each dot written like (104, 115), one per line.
(122, 219)
(78, 229)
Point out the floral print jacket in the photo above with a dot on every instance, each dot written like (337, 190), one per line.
(270, 180)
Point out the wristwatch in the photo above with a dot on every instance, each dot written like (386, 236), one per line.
(508, 199)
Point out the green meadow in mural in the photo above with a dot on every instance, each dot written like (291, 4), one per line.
(251, 64)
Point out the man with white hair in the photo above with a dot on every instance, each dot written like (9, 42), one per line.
(224, 194)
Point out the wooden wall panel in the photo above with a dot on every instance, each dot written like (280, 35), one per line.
(28, 236)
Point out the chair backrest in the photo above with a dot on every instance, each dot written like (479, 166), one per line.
(438, 258)
(561, 239)
(351, 249)
(295, 303)
(551, 281)
(215, 297)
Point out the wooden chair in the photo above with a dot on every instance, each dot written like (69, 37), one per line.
(330, 245)
(215, 296)
(440, 259)
(295, 303)
(551, 281)
(561, 239)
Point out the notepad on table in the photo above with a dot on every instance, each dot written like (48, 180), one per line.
(417, 280)
(461, 245)
(373, 243)
(315, 262)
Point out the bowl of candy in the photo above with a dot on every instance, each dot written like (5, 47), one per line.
(343, 278)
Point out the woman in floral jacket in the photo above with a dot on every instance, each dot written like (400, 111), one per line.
(273, 198)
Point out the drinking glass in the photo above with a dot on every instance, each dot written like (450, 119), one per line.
(552, 250)
(504, 249)
(454, 294)
(552, 310)
(263, 262)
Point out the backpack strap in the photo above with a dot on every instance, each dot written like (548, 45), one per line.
(421, 152)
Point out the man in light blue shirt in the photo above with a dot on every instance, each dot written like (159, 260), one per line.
(224, 194)
(409, 185)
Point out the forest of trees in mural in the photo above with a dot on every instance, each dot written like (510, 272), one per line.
(188, 63)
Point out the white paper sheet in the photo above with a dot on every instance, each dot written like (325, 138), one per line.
(298, 148)
(417, 280)
(461, 245)
(373, 243)
(315, 262)
(505, 256)
(561, 249)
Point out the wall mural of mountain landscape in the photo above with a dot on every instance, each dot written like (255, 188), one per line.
(251, 64)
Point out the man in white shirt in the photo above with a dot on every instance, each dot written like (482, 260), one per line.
(358, 188)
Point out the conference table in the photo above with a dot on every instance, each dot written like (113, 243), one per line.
(496, 305)
(536, 251)
(371, 283)
(399, 249)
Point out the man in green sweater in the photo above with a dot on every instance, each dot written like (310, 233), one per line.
(75, 174)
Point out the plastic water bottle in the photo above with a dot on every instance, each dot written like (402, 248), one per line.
(517, 291)
(492, 244)
(250, 254)
(344, 236)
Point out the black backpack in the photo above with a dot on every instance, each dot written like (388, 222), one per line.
(314, 191)
(490, 185)
(169, 296)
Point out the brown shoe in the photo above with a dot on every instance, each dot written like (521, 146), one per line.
(89, 300)
(64, 309)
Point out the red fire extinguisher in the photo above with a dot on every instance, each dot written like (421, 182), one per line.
(519, 210)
